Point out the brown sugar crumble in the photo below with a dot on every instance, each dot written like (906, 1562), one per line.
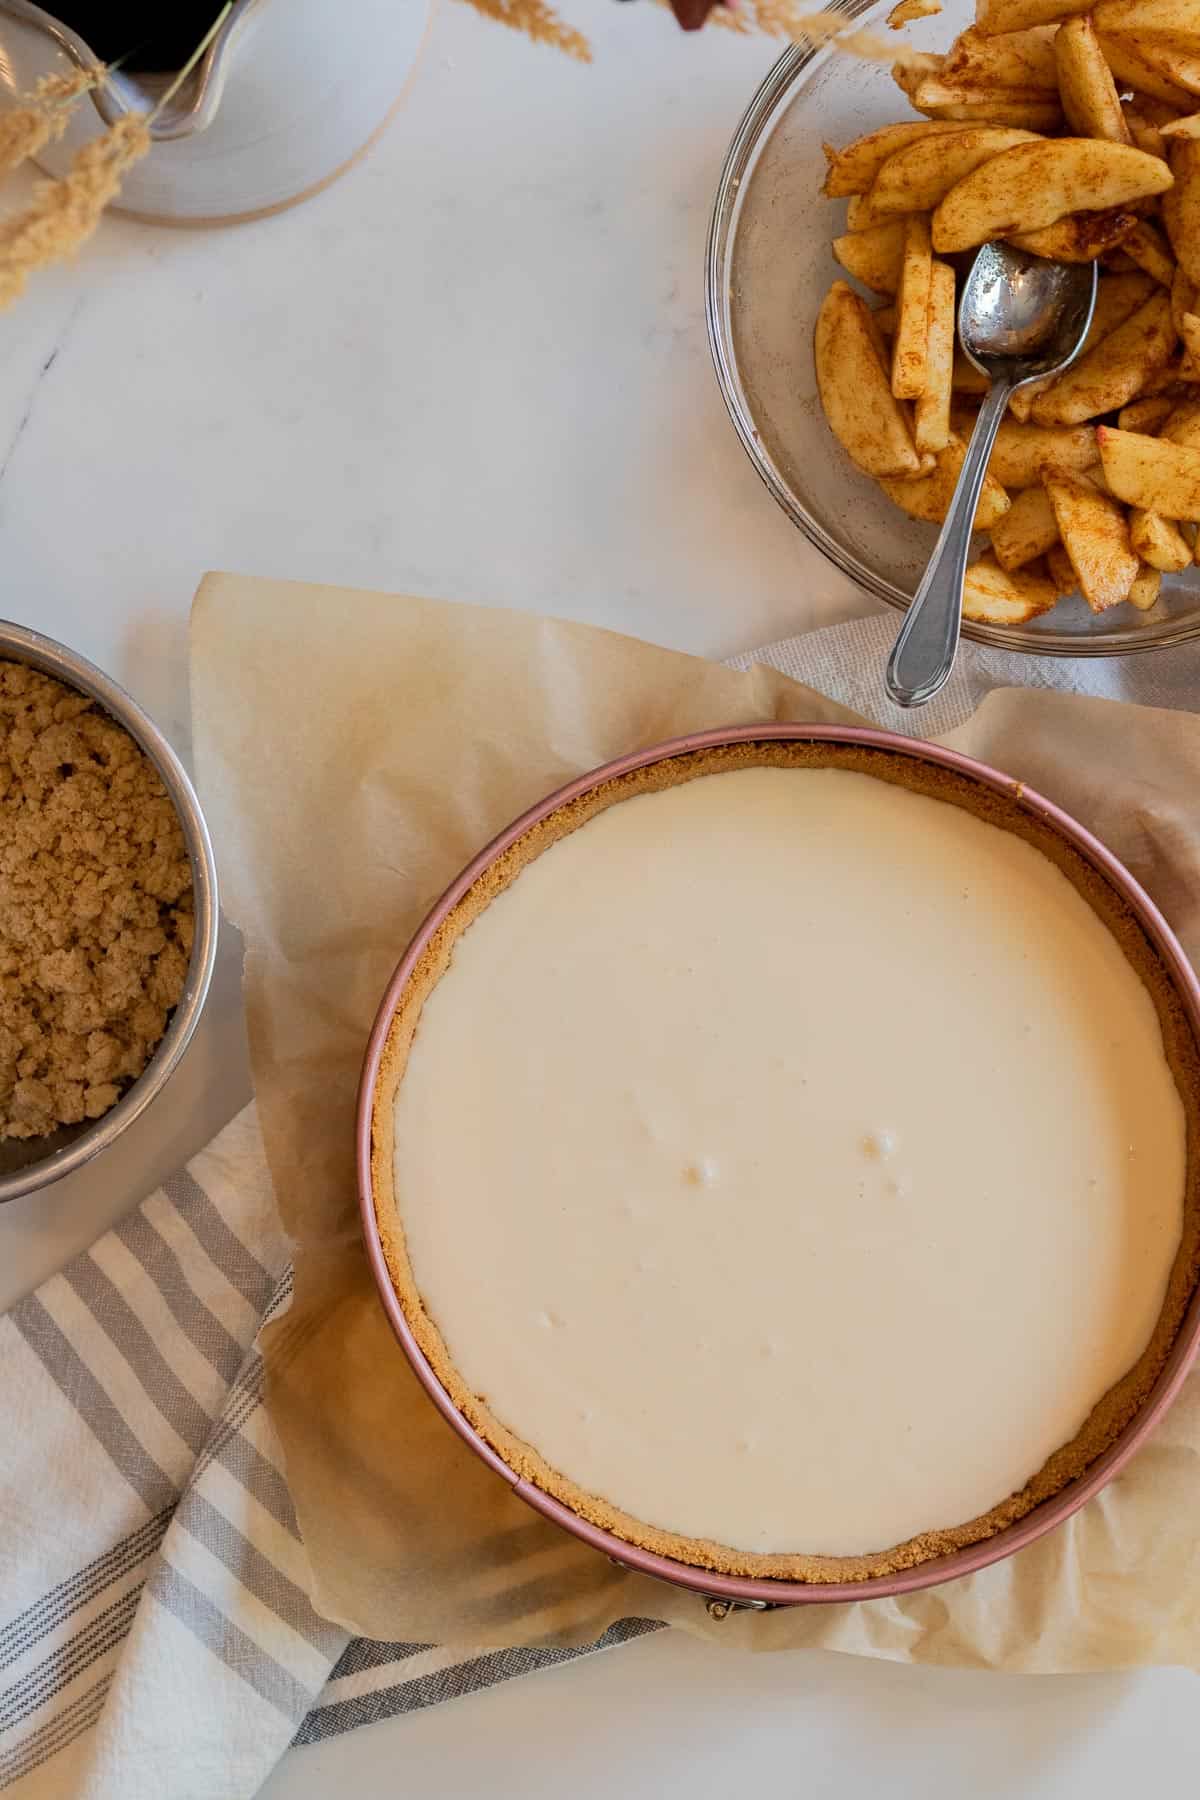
(95, 906)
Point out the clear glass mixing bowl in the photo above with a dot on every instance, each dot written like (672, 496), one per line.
(769, 264)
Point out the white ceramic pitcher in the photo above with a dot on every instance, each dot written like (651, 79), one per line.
(287, 94)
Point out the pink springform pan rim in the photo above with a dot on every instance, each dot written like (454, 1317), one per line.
(765, 1589)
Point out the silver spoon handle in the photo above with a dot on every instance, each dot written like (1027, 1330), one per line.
(923, 654)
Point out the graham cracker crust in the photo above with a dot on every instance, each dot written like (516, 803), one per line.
(1112, 1412)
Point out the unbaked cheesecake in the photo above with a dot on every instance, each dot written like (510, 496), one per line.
(782, 1155)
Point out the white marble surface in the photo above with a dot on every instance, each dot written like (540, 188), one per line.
(476, 368)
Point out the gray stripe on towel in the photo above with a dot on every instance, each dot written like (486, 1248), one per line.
(238, 1264)
(92, 1403)
(68, 1661)
(217, 1345)
(259, 1477)
(113, 1313)
(220, 1635)
(373, 1653)
(45, 1615)
(451, 1683)
(257, 1573)
(55, 1735)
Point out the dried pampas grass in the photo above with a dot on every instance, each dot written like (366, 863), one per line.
(63, 214)
(776, 18)
(22, 134)
(43, 117)
(785, 19)
(539, 22)
(827, 28)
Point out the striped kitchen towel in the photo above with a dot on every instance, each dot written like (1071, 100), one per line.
(154, 1612)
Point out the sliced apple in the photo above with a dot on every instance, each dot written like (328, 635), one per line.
(929, 497)
(1027, 530)
(1085, 84)
(1146, 415)
(1116, 370)
(994, 17)
(1181, 207)
(1144, 592)
(1157, 473)
(1022, 452)
(1133, 69)
(874, 257)
(1146, 246)
(1022, 60)
(852, 170)
(1032, 185)
(1080, 237)
(1158, 541)
(910, 345)
(865, 417)
(1061, 570)
(1095, 532)
(1171, 18)
(931, 415)
(996, 596)
(920, 174)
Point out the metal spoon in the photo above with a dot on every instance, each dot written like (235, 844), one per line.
(1020, 318)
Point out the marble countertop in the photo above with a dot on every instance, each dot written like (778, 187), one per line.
(476, 368)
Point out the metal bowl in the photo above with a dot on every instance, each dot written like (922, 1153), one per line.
(36, 1162)
(724, 1591)
(768, 266)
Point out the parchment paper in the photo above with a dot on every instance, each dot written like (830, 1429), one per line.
(353, 751)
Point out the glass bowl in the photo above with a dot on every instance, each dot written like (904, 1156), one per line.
(769, 265)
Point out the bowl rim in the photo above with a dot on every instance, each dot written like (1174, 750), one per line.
(741, 154)
(21, 643)
(762, 1591)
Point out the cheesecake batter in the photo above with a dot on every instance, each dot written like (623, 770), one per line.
(791, 1160)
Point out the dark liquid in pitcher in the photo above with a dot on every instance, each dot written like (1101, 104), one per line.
(146, 35)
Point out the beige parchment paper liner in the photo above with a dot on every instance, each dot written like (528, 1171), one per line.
(353, 751)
